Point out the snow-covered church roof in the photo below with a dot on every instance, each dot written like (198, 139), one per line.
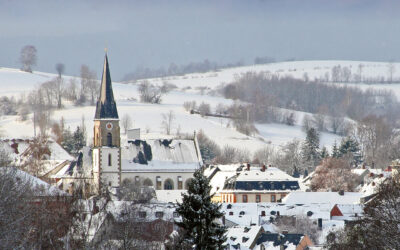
(160, 155)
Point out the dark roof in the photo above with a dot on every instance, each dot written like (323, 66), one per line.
(106, 107)
(279, 239)
(266, 185)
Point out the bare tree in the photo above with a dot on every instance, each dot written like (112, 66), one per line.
(149, 93)
(168, 121)
(89, 84)
(391, 70)
(126, 122)
(204, 109)
(334, 175)
(28, 58)
(60, 67)
(372, 133)
(299, 224)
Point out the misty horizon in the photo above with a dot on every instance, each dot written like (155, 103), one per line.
(154, 33)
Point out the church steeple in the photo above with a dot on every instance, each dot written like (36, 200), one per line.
(106, 107)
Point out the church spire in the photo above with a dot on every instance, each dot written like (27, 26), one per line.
(106, 107)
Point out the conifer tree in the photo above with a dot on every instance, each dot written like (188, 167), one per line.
(349, 146)
(335, 151)
(310, 148)
(199, 215)
(324, 153)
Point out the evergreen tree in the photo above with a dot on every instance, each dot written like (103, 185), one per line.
(335, 151)
(199, 216)
(349, 146)
(79, 140)
(310, 148)
(68, 142)
(324, 153)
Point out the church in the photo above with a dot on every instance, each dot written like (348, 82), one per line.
(162, 163)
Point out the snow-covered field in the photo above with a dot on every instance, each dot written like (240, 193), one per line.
(148, 117)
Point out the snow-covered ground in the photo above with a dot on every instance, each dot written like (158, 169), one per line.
(148, 117)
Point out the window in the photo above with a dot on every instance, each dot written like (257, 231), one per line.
(142, 214)
(244, 198)
(147, 182)
(262, 213)
(180, 183)
(175, 214)
(109, 139)
(159, 214)
(258, 198)
(273, 198)
(168, 184)
(109, 160)
(231, 213)
(158, 179)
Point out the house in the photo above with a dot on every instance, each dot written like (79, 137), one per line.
(218, 175)
(347, 212)
(331, 198)
(243, 237)
(39, 158)
(287, 241)
(258, 184)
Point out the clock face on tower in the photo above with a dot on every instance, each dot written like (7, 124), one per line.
(109, 126)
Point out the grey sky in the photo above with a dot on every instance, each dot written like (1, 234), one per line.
(155, 33)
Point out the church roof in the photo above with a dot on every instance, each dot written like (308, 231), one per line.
(106, 106)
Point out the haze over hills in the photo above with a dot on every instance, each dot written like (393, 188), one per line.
(148, 117)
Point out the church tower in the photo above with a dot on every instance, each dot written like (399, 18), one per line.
(106, 140)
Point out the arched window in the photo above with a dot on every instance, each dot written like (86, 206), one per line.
(109, 160)
(187, 183)
(109, 139)
(147, 182)
(168, 184)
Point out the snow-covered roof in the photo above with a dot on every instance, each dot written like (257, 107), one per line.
(218, 180)
(243, 214)
(242, 235)
(351, 210)
(322, 197)
(160, 155)
(39, 187)
(270, 174)
(274, 241)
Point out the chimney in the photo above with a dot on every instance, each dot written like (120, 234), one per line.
(248, 166)
(269, 165)
(320, 223)
(263, 168)
(341, 192)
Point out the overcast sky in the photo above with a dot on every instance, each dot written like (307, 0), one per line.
(155, 33)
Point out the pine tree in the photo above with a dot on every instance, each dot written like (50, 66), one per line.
(310, 148)
(199, 216)
(335, 151)
(79, 140)
(68, 142)
(349, 146)
(324, 153)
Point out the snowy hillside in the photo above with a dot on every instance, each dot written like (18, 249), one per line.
(148, 117)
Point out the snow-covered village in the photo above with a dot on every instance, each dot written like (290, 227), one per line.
(227, 125)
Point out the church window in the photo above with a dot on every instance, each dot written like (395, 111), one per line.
(109, 139)
(180, 182)
(109, 160)
(158, 179)
(168, 184)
